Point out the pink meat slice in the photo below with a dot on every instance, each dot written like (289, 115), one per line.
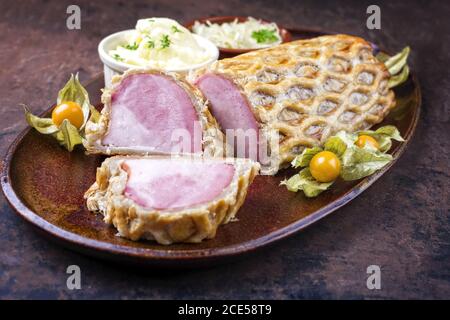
(231, 109)
(145, 111)
(175, 183)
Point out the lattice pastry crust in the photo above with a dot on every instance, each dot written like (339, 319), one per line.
(304, 91)
(191, 224)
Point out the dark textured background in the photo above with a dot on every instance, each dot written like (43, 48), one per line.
(401, 223)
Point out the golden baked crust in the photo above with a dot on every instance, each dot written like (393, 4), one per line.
(192, 224)
(304, 91)
(212, 139)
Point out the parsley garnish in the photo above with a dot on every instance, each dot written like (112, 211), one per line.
(133, 46)
(175, 29)
(265, 36)
(117, 57)
(150, 43)
(165, 41)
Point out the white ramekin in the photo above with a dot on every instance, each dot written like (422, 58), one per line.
(112, 67)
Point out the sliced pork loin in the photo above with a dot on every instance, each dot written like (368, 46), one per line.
(170, 199)
(151, 112)
(244, 135)
(232, 111)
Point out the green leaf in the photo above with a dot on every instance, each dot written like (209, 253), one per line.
(118, 57)
(305, 181)
(384, 142)
(358, 162)
(348, 138)
(74, 91)
(398, 79)
(95, 115)
(150, 43)
(396, 66)
(382, 57)
(68, 135)
(265, 36)
(165, 41)
(383, 135)
(43, 125)
(397, 62)
(175, 29)
(336, 145)
(131, 47)
(305, 157)
(390, 131)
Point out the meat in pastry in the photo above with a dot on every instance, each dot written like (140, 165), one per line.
(298, 94)
(151, 112)
(170, 199)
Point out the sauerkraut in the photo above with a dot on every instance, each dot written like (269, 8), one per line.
(250, 34)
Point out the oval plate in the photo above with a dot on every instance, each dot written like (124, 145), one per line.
(45, 185)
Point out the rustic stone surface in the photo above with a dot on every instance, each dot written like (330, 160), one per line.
(402, 223)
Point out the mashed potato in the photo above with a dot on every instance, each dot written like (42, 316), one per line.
(160, 43)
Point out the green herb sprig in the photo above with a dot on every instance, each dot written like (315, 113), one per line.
(133, 46)
(265, 36)
(397, 66)
(66, 134)
(150, 43)
(165, 41)
(175, 29)
(118, 57)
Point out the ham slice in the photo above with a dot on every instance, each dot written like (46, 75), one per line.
(228, 105)
(232, 112)
(170, 199)
(145, 111)
(169, 184)
(151, 112)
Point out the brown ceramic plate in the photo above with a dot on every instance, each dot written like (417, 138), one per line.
(226, 52)
(45, 184)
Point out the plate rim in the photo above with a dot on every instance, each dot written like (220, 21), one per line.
(78, 242)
